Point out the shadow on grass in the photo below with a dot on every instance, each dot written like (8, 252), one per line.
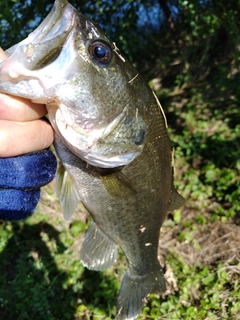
(33, 286)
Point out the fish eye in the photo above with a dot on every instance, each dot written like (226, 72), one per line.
(100, 51)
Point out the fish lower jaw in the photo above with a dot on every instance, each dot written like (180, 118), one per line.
(111, 161)
(75, 136)
(90, 153)
(86, 145)
(93, 156)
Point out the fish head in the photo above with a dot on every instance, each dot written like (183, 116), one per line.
(90, 89)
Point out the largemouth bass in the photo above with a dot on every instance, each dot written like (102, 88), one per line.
(112, 141)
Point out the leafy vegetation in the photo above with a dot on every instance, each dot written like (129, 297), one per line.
(191, 58)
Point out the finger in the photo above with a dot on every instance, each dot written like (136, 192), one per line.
(3, 55)
(16, 108)
(18, 138)
(20, 109)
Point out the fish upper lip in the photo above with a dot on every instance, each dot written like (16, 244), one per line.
(55, 25)
(48, 37)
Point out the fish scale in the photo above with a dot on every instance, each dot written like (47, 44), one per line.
(112, 142)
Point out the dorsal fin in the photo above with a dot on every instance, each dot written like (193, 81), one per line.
(176, 201)
(67, 190)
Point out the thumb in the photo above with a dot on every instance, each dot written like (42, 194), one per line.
(3, 55)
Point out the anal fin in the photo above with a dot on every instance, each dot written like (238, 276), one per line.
(97, 252)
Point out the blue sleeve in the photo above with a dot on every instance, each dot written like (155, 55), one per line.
(20, 180)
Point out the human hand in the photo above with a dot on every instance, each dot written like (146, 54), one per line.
(21, 128)
(24, 165)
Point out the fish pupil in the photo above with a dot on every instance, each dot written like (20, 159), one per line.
(100, 52)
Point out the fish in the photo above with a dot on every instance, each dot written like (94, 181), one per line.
(111, 138)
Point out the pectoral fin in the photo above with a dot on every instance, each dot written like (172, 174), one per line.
(66, 188)
(176, 201)
(97, 252)
(118, 185)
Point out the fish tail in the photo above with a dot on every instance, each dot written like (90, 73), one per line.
(134, 290)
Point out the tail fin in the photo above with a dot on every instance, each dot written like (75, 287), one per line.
(134, 290)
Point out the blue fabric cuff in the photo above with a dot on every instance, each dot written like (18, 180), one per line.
(32, 170)
(20, 181)
(18, 204)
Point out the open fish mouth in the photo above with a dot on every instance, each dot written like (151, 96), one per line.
(36, 64)
(44, 44)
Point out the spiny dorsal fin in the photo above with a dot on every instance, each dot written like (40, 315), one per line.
(118, 185)
(97, 252)
(66, 189)
(176, 201)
